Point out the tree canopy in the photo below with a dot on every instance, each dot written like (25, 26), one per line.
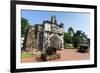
(69, 35)
(71, 31)
(24, 26)
(75, 38)
(79, 38)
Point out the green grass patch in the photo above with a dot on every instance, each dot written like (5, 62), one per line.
(26, 54)
(69, 46)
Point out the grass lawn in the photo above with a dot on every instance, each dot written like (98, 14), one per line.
(26, 54)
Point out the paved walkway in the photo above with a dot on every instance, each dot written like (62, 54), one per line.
(66, 55)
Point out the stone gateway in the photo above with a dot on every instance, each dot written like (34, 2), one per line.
(42, 36)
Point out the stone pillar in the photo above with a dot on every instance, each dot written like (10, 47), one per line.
(44, 41)
(62, 42)
(37, 46)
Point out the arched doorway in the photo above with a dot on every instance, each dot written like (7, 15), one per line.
(54, 42)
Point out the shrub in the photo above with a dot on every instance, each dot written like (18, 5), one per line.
(54, 56)
(43, 57)
(50, 51)
(69, 46)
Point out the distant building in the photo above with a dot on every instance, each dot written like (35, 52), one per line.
(47, 34)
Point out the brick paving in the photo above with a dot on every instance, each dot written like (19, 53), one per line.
(66, 55)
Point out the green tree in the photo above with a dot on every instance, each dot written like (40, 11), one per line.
(84, 36)
(67, 38)
(71, 31)
(79, 38)
(75, 41)
(74, 38)
(24, 26)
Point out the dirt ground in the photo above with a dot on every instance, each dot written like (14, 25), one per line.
(66, 55)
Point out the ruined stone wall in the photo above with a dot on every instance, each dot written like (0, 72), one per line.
(30, 39)
(41, 36)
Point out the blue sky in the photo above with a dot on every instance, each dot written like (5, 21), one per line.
(78, 21)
